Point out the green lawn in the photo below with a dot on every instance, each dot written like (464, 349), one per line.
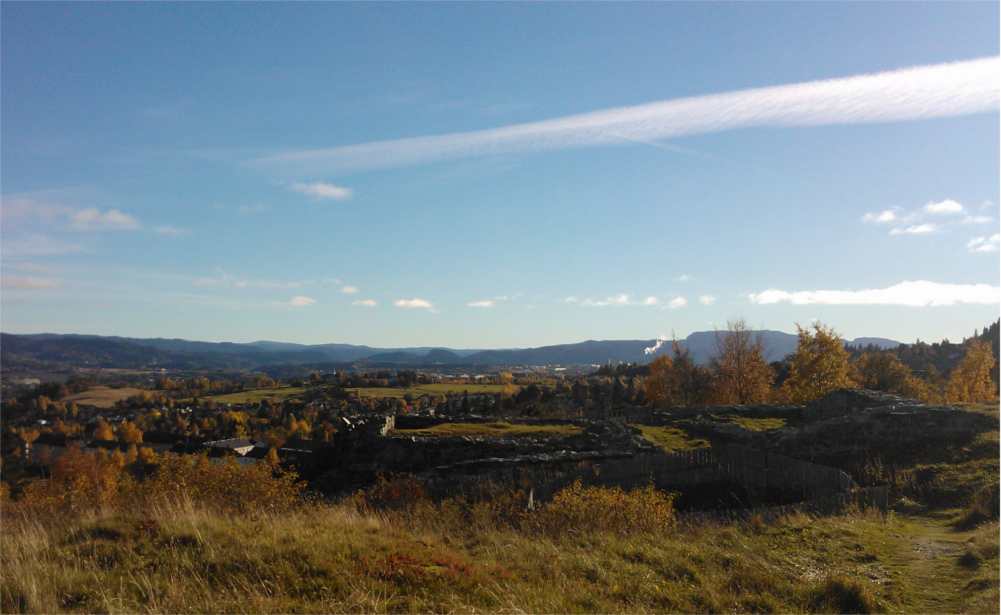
(757, 424)
(671, 439)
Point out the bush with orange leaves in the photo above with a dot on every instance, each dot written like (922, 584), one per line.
(84, 482)
(584, 510)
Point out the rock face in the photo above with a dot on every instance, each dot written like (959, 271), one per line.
(847, 401)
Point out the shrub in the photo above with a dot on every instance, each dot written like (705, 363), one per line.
(400, 493)
(580, 510)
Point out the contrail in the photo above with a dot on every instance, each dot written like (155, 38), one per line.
(917, 93)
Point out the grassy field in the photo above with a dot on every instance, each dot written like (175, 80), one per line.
(101, 397)
(671, 439)
(433, 558)
(497, 429)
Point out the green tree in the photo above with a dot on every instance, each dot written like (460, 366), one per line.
(740, 373)
(971, 380)
(819, 365)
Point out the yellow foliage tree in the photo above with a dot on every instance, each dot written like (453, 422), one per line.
(129, 432)
(884, 371)
(103, 430)
(742, 376)
(971, 380)
(819, 365)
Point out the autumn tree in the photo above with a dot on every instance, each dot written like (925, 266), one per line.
(129, 432)
(676, 380)
(818, 366)
(661, 384)
(884, 371)
(741, 374)
(971, 380)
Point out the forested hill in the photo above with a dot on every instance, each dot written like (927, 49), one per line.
(26, 353)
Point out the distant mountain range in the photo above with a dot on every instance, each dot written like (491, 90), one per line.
(51, 351)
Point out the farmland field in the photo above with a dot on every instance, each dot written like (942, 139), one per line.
(497, 429)
(101, 397)
(430, 389)
(258, 395)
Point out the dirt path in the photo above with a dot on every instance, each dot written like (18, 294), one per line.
(925, 559)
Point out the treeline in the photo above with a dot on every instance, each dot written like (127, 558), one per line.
(738, 374)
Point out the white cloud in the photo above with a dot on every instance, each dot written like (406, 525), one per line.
(299, 301)
(571, 299)
(365, 302)
(483, 304)
(323, 191)
(917, 93)
(414, 303)
(678, 303)
(917, 229)
(620, 299)
(707, 299)
(946, 207)
(18, 283)
(882, 217)
(683, 278)
(649, 301)
(977, 220)
(984, 244)
(349, 290)
(919, 293)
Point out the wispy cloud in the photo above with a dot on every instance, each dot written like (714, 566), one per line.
(18, 211)
(707, 299)
(365, 303)
(323, 191)
(917, 93)
(349, 290)
(984, 244)
(481, 304)
(93, 219)
(299, 301)
(677, 304)
(18, 283)
(916, 294)
(170, 231)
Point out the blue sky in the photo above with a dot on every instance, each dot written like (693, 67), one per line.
(498, 175)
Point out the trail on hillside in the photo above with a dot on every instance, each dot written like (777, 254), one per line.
(925, 558)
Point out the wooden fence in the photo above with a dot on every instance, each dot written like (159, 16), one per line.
(819, 486)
